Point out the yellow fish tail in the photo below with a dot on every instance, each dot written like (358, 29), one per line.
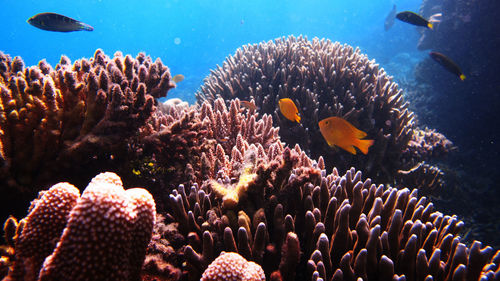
(462, 77)
(429, 25)
(363, 145)
(297, 118)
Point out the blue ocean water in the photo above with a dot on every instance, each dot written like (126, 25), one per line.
(192, 37)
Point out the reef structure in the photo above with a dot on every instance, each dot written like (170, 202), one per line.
(72, 121)
(312, 226)
(466, 110)
(189, 145)
(324, 79)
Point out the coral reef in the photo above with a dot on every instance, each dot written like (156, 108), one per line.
(101, 235)
(323, 79)
(71, 121)
(466, 111)
(188, 145)
(304, 225)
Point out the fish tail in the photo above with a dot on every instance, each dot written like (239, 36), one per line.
(86, 27)
(462, 77)
(363, 145)
(429, 25)
(297, 118)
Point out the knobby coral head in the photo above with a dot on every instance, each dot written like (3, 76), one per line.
(101, 235)
(233, 267)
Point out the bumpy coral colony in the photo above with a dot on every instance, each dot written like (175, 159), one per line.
(325, 79)
(235, 202)
(71, 121)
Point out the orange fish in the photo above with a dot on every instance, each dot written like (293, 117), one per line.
(248, 105)
(178, 78)
(343, 134)
(289, 110)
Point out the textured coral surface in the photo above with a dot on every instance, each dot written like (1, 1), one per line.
(324, 79)
(72, 121)
(310, 226)
(226, 186)
(101, 235)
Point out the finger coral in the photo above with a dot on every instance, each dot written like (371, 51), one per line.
(307, 226)
(101, 235)
(324, 79)
(74, 119)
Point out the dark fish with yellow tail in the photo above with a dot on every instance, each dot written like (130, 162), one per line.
(389, 20)
(56, 22)
(448, 64)
(413, 18)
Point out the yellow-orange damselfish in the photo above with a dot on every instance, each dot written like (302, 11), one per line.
(289, 110)
(343, 134)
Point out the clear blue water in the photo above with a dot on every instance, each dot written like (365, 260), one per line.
(208, 31)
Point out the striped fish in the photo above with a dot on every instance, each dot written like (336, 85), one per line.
(56, 22)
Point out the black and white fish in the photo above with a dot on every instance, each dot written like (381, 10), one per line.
(56, 22)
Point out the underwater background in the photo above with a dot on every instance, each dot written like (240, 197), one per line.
(194, 37)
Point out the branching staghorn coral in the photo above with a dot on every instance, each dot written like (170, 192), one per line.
(101, 235)
(74, 119)
(324, 79)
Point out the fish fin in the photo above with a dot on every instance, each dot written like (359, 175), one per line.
(297, 118)
(349, 148)
(86, 27)
(462, 77)
(363, 145)
(429, 25)
(359, 134)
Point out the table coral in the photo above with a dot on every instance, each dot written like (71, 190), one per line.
(101, 235)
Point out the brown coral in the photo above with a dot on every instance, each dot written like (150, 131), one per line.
(71, 120)
(106, 232)
(324, 79)
(328, 226)
(194, 144)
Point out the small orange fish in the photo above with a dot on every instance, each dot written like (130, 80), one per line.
(343, 134)
(178, 78)
(289, 110)
(248, 105)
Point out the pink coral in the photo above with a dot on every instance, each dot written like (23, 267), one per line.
(233, 267)
(73, 120)
(105, 237)
(44, 225)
